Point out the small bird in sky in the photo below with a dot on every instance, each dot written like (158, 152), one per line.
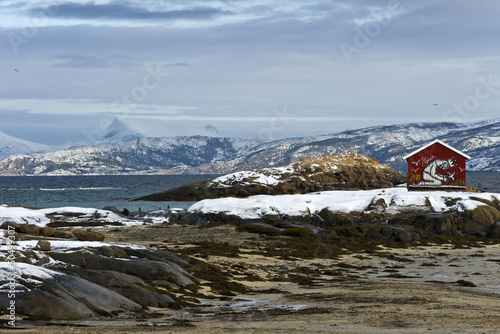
(16, 70)
(435, 104)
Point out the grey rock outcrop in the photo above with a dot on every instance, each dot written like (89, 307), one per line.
(95, 282)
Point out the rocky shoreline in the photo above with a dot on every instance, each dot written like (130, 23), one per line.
(77, 264)
(393, 214)
(243, 280)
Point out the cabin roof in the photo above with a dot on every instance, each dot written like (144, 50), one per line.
(432, 143)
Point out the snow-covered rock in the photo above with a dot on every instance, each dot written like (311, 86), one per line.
(397, 200)
(72, 215)
(392, 213)
(80, 280)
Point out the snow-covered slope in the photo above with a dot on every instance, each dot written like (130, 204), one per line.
(11, 145)
(387, 144)
(168, 155)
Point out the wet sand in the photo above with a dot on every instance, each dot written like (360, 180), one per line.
(419, 289)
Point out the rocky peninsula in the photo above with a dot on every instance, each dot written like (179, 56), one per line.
(343, 171)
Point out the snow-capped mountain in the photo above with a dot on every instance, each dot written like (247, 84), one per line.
(12, 145)
(119, 131)
(388, 144)
(163, 155)
(216, 155)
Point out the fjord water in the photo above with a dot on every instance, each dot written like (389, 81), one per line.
(117, 190)
(485, 181)
(92, 191)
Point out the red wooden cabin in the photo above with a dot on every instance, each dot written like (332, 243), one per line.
(436, 166)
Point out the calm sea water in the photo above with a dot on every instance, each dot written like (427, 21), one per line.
(92, 191)
(100, 191)
(485, 181)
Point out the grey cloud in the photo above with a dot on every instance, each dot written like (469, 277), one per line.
(432, 52)
(47, 129)
(121, 11)
(13, 111)
(81, 61)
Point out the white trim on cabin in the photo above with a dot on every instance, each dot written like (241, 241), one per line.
(432, 143)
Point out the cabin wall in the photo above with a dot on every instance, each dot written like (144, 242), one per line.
(431, 168)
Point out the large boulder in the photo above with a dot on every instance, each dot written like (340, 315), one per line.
(126, 285)
(495, 230)
(112, 209)
(441, 223)
(86, 235)
(142, 268)
(29, 229)
(47, 295)
(404, 236)
(14, 225)
(43, 245)
(47, 231)
(63, 234)
(480, 220)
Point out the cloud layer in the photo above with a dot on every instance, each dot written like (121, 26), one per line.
(172, 66)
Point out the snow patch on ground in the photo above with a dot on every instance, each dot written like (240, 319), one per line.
(267, 176)
(43, 217)
(23, 216)
(66, 245)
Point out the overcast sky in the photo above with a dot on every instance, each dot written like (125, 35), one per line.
(261, 68)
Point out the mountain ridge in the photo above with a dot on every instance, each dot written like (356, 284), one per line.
(220, 155)
(11, 145)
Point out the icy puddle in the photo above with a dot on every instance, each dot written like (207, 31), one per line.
(241, 305)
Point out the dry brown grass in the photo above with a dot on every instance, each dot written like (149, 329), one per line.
(472, 190)
(338, 162)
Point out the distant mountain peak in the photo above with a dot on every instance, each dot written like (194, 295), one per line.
(210, 130)
(12, 145)
(118, 130)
